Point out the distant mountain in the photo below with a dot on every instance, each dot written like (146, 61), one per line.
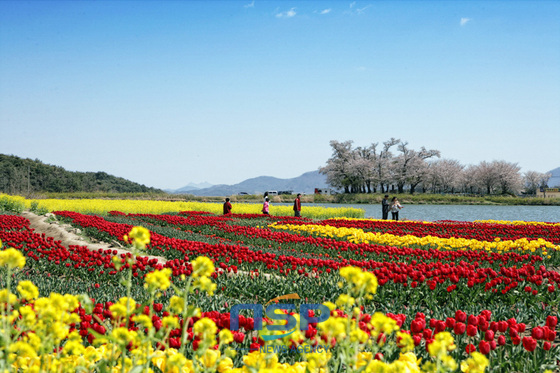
(305, 183)
(192, 186)
(554, 181)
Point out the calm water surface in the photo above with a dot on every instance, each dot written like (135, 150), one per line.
(464, 212)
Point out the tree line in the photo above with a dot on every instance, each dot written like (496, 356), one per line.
(26, 176)
(394, 166)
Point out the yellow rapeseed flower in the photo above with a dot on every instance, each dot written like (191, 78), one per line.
(405, 342)
(124, 307)
(205, 328)
(317, 360)
(477, 363)
(27, 290)
(210, 358)
(176, 304)
(383, 324)
(443, 342)
(158, 279)
(144, 320)
(170, 322)
(345, 301)
(140, 237)
(225, 336)
(202, 266)
(205, 284)
(225, 365)
(7, 297)
(28, 317)
(123, 336)
(11, 258)
(334, 327)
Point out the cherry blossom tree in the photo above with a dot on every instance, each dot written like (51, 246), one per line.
(410, 166)
(444, 175)
(533, 180)
(338, 168)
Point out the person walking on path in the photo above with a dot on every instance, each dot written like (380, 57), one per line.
(227, 207)
(266, 206)
(297, 206)
(385, 207)
(395, 207)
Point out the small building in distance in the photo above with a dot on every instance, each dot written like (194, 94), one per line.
(322, 191)
(285, 192)
(548, 193)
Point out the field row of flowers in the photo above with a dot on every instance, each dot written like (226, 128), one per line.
(95, 206)
(481, 231)
(452, 309)
(424, 266)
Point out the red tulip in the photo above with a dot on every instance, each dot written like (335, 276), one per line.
(551, 321)
(529, 344)
(459, 328)
(484, 347)
(471, 330)
(549, 334)
(417, 325)
(460, 316)
(501, 340)
(473, 320)
(502, 326)
(537, 333)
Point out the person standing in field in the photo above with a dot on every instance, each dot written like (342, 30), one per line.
(227, 207)
(395, 207)
(297, 206)
(385, 207)
(266, 206)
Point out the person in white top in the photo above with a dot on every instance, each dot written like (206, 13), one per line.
(395, 208)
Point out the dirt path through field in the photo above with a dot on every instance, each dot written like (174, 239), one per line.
(68, 235)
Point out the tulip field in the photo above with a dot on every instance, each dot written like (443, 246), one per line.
(403, 296)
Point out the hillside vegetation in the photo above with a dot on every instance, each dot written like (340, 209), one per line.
(27, 176)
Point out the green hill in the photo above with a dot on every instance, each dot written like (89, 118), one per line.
(25, 176)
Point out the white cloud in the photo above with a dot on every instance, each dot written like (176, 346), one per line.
(250, 5)
(288, 14)
(360, 10)
(354, 10)
(325, 11)
(464, 21)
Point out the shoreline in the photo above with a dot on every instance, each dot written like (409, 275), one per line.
(357, 199)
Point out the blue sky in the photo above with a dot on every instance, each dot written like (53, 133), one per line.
(166, 93)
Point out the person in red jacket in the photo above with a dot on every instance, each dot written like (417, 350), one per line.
(297, 206)
(227, 207)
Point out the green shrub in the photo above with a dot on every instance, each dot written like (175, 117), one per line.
(12, 203)
(38, 209)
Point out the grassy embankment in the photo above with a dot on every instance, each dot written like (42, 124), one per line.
(439, 199)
